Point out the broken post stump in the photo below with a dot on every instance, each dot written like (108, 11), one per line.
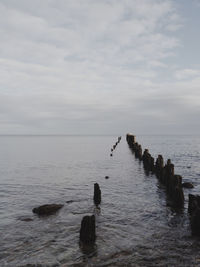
(88, 230)
(97, 194)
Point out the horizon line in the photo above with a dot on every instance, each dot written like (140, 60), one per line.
(101, 134)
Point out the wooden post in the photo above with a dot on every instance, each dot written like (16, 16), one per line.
(88, 230)
(97, 194)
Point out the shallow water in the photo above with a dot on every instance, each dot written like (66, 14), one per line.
(135, 224)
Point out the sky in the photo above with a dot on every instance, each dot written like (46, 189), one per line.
(99, 67)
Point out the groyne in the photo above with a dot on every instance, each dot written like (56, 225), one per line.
(171, 181)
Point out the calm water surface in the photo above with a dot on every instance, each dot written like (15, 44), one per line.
(135, 224)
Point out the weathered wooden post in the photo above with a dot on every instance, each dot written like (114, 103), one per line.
(194, 202)
(168, 172)
(194, 211)
(138, 151)
(148, 161)
(159, 166)
(88, 230)
(176, 191)
(195, 222)
(97, 194)
(130, 140)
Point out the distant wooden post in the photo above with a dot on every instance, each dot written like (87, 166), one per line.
(97, 194)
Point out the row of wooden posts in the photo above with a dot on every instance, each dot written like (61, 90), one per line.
(88, 228)
(115, 145)
(172, 182)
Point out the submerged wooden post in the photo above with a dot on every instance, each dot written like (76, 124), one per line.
(88, 230)
(97, 194)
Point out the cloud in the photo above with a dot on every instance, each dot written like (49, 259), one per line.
(65, 64)
(196, 2)
(187, 74)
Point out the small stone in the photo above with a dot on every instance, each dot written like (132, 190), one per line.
(69, 201)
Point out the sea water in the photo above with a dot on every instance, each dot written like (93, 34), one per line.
(135, 226)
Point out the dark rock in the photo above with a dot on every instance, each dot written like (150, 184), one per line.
(69, 201)
(97, 194)
(47, 209)
(88, 230)
(187, 185)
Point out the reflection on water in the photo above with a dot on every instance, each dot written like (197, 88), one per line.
(136, 225)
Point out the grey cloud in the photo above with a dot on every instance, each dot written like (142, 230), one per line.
(89, 66)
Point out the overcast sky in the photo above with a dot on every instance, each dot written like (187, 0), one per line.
(99, 66)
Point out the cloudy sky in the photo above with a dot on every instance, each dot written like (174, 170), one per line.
(99, 67)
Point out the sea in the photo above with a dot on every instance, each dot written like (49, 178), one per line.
(135, 225)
